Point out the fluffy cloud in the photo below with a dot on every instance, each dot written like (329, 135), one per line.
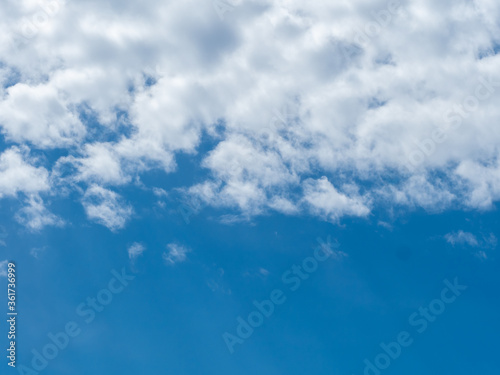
(35, 215)
(36, 114)
(325, 200)
(374, 96)
(17, 173)
(106, 207)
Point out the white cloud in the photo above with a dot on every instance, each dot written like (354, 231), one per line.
(176, 254)
(37, 114)
(101, 164)
(106, 207)
(35, 215)
(3, 268)
(325, 200)
(35, 251)
(17, 174)
(3, 235)
(159, 192)
(359, 107)
(135, 250)
(462, 238)
(482, 245)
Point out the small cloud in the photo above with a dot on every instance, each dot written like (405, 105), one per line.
(462, 238)
(135, 250)
(481, 255)
(216, 283)
(263, 271)
(34, 252)
(176, 254)
(385, 225)
(35, 215)
(159, 192)
(3, 268)
(491, 241)
(106, 208)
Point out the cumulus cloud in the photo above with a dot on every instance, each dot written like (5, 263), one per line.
(176, 254)
(35, 215)
(373, 96)
(36, 114)
(482, 245)
(323, 199)
(18, 174)
(106, 207)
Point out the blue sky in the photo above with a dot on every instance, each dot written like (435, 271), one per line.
(172, 171)
(173, 316)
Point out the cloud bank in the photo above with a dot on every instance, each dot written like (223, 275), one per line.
(327, 109)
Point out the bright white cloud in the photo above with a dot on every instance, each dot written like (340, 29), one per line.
(100, 164)
(106, 207)
(176, 254)
(17, 173)
(360, 92)
(324, 200)
(37, 114)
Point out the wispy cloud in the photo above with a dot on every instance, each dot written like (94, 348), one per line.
(176, 254)
(3, 268)
(467, 239)
(106, 207)
(135, 250)
(36, 216)
(461, 238)
(34, 252)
